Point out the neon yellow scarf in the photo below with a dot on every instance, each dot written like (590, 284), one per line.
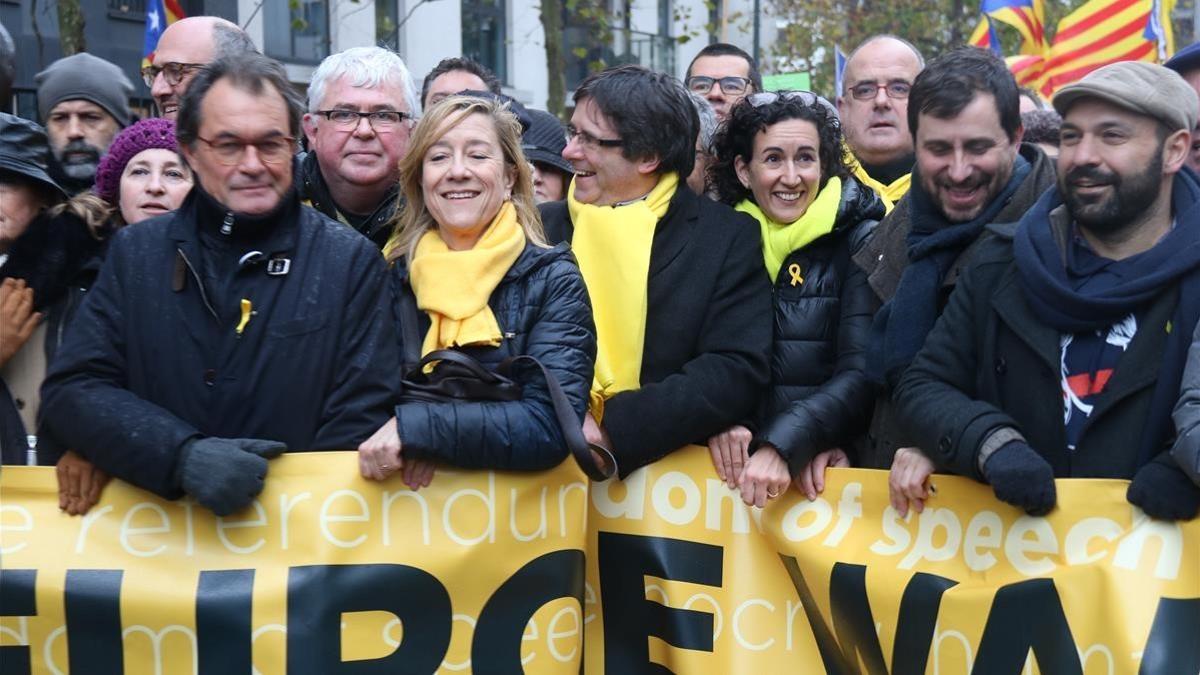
(889, 193)
(612, 245)
(780, 239)
(453, 287)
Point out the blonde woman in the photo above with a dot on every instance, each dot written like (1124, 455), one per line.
(469, 252)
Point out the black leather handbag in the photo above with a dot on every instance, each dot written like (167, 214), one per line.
(456, 376)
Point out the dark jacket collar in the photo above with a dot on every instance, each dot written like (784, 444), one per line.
(315, 190)
(273, 232)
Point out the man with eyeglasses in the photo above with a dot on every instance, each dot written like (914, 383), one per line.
(681, 302)
(873, 107)
(361, 106)
(722, 73)
(183, 49)
(238, 327)
(84, 102)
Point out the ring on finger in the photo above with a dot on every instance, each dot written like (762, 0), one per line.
(385, 466)
(772, 495)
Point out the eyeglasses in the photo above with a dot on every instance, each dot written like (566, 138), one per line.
(174, 72)
(731, 85)
(275, 150)
(590, 140)
(806, 97)
(380, 120)
(865, 91)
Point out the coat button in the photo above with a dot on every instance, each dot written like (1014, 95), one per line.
(944, 445)
(210, 376)
(1001, 365)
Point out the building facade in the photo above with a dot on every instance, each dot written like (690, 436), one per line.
(505, 35)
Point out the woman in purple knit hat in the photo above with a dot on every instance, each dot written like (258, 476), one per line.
(59, 256)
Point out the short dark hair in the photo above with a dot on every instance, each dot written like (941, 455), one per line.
(1042, 126)
(463, 63)
(651, 112)
(249, 72)
(951, 81)
(726, 49)
(735, 138)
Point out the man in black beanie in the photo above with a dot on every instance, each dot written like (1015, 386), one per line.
(84, 102)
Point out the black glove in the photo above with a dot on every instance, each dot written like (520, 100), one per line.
(225, 474)
(1164, 492)
(1022, 478)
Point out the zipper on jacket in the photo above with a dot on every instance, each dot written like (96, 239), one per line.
(199, 284)
(227, 224)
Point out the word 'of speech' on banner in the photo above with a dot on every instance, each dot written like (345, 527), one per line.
(325, 573)
(682, 575)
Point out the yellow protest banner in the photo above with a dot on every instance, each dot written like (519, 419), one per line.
(683, 577)
(325, 573)
(483, 572)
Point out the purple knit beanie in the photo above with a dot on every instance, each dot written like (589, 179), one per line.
(144, 135)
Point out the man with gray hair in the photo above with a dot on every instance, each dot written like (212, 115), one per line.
(184, 48)
(698, 179)
(361, 107)
(237, 327)
(83, 101)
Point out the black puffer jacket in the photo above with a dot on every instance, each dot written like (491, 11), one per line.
(543, 311)
(820, 397)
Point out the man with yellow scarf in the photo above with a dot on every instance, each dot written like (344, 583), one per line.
(873, 106)
(681, 301)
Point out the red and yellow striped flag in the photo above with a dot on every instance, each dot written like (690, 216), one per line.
(1107, 31)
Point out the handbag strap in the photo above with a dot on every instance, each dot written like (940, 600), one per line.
(572, 431)
(410, 329)
(466, 361)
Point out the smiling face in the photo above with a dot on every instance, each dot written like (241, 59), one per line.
(784, 171)
(361, 156)
(966, 160)
(154, 182)
(877, 128)
(189, 40)
(231, 114)
(603, 176)
(465, 179)
(1113, 164)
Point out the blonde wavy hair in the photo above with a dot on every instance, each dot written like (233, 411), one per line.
(414, 220)
(100, 217)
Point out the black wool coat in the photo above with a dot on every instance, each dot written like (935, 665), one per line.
(708, 330)
(820, 396)
(991, 363)
(153, 359)
(542, 308)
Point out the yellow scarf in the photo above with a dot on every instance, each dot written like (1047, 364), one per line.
(453, 287)
(612, 245)
(780, 239)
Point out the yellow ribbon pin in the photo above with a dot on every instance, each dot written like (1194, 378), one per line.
(247, 312)
(794, 272)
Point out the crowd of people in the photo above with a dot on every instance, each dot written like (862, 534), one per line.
(932, 270)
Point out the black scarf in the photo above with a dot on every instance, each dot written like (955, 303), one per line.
(1048, 287)
(934, 243)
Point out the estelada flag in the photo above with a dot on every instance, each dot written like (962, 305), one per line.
(159, 15)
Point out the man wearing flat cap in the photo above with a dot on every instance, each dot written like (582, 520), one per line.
(84, 102)
(1061, 350)
(1186, 62)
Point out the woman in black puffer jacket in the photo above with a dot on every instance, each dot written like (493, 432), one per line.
(471, 272)
(779, 159)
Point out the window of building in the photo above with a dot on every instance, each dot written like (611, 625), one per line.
(387, 18)
(306, 37)
(484, 33)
